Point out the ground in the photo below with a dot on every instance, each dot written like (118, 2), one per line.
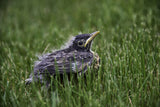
(128, 45)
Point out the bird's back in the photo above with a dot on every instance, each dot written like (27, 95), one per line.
(64, 62)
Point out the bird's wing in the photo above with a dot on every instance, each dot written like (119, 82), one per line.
(66, 64)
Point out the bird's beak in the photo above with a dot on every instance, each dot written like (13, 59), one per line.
(93, 35)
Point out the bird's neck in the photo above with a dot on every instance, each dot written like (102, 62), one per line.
(67, 50)
(70, 49)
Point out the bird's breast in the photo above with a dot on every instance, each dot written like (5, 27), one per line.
(96, 61)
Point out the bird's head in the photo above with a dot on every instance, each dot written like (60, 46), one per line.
(83, 42)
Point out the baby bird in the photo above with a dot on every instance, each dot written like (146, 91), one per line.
(76, 58)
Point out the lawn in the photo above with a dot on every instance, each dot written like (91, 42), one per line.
(128, 45)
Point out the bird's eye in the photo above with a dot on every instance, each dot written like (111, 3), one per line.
(80, 43)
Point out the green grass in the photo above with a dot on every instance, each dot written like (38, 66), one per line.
(128, 45)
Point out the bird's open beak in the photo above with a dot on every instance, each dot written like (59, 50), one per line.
(93, 35)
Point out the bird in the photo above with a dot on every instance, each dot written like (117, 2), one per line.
(76, 58)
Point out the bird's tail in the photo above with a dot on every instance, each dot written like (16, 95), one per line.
(28, 81)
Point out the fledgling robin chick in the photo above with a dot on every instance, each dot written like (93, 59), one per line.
(76, 58)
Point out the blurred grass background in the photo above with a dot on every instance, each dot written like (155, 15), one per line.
(128, 46)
